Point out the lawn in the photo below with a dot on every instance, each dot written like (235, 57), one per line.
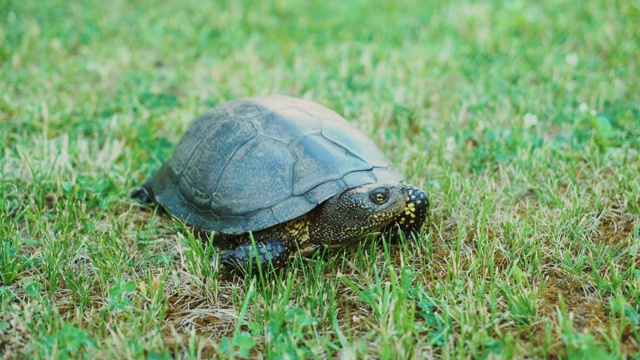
(520, 119)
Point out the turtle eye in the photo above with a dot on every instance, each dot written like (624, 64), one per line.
(379, 198)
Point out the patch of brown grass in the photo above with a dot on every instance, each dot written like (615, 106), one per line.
(577, 296)
(195, 312)
(616, 229)
(14, 332)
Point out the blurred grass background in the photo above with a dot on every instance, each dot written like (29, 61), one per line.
(520, 119)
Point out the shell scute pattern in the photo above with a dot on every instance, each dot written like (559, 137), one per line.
(317, 155)
(354, 142)
(203, 171)
(195, 134)
(298, 123)
(245, 179)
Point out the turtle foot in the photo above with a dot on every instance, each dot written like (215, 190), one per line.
(144, 194)
(248, 257)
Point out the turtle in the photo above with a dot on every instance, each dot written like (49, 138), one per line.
(273, 176)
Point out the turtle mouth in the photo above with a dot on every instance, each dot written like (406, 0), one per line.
(385, 217)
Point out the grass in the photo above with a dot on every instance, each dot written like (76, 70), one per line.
(520, 119)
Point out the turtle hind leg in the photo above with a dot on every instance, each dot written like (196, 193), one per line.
(414, 216)
(247, 257)
(144, 194)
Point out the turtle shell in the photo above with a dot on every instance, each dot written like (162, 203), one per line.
(254, 163)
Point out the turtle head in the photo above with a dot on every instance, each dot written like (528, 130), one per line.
(358, 211)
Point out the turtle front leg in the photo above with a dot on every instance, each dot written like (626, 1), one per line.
(144, 194)
(414, 216)
(244, 256)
